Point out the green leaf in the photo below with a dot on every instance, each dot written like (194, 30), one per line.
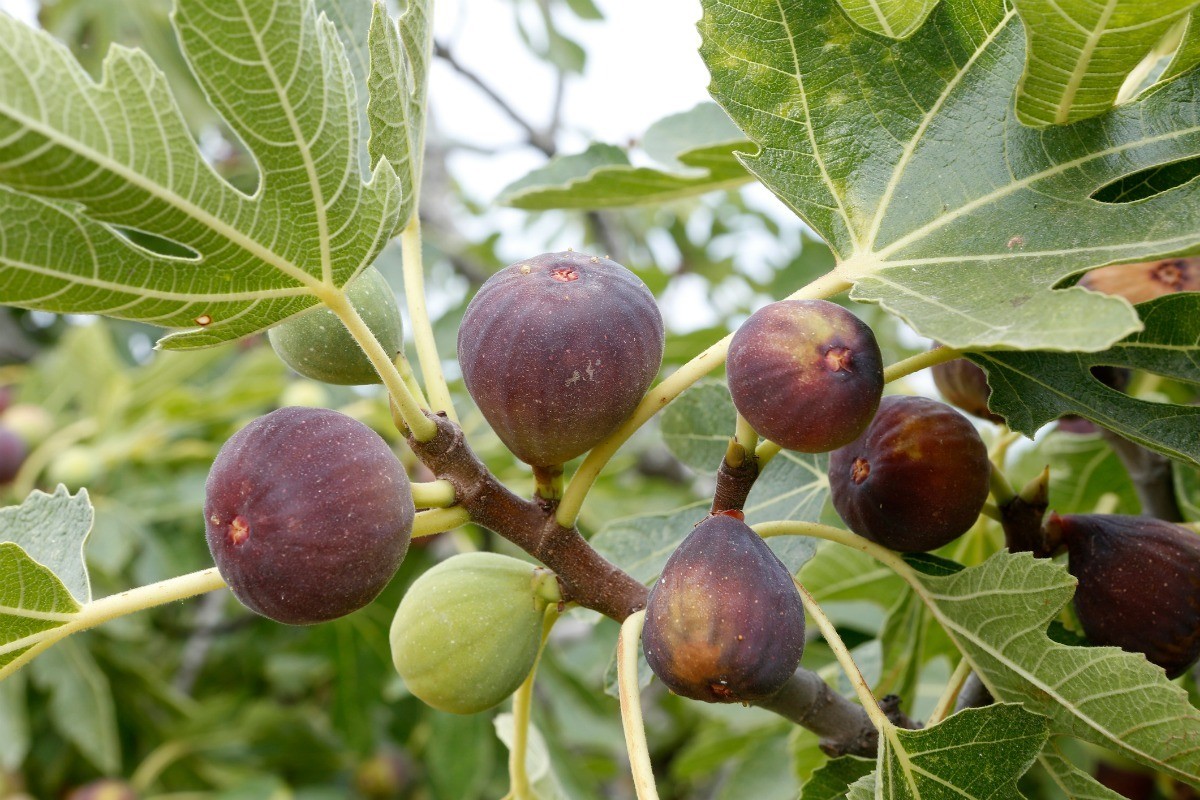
(78, 158)
(1187, 55)
(1084, 474)
(997, 613)
(696, 427)
(947, 761)
(14, 723)
(542, 780)
(940, 205)
(1030, 389)
(702, 126)
(763, 773)
(399, 83)
(832, 780)
(460, 755)
(897, 19)
(33, 602)
(81, 703)
(1079, 52)
(52, 530)
(641, 545)
(793, 486)
(352, 18)
(863, 788)
(837, 573)
(1074, 782)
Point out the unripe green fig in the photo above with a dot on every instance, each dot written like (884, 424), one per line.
(806, 374)
(467, 632)
(1139, 584)
(915, 480)
(12, 454)
(963, 384)
(103, 789)
(31, 422)
(317, 345)
(557, 351)
(308, 515)
(724, 622)
(78, 465)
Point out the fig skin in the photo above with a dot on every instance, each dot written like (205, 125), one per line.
(467, 632)
(806, 374)
(308, 515)
(557, 351)
(1147, 280)
(724, 622)
(13, 451)
(318, 346)
(1139, 585)
(963, 384)
(915, 480)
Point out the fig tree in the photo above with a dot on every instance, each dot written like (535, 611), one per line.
(317, 345)
(963, 384)
(916, 479)
(806, 374)
(557, 351)
(1139, 584)
(467, 632)
(308, 514)
(12, 454)
(724, 622)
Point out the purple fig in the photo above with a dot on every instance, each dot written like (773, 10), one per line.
(12, 454)
(724, 622)
(557, 351)
(308, 515)
(915, 480)
(806, 374)
(1139, 584)
(962, 383)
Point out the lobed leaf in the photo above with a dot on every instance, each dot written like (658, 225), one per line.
(1078, 53)
(940, 205)
(896, 19)
(52, 530)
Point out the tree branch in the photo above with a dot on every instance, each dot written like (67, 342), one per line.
(1151, 474)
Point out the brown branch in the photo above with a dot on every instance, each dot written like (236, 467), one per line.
(844, 728)
(1151, 473)
(734, 484)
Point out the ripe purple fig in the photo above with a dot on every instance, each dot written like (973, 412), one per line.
(806, 374)
(915, 480)
(962, 383)
(724, 622)
(557, 351)
(1138, 283)
(308, 515)
(1139, 584)
(12, 454)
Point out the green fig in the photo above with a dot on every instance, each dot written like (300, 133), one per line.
(467, 632)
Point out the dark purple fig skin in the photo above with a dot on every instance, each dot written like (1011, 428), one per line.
(915, 480)
(1139, 585)
(964, 384)
(13, 451)
(806, 374)
(308, 515)
(724, 622)
(557, 351)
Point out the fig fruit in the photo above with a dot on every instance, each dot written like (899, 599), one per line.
(806, 374)
(915, 480)
(467, 632)
(557, 351)
(724, 622)
(12, 454)
(317, 345)
(308, 515)
(963, 384)
(1139, 584)
(103, 789)
(1138, 283)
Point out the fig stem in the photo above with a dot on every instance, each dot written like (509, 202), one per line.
(765, 452)
(992, 511)
(522, 709)
(1002, 489)
(434, 494)
(930, 358)
(657, 399)
(945, 705)
(418, 312)
(631, 707)
(439, 520)
(548, 483)
(410, 411)
(410, 378)
(842, 653)
(97, 612)
(745, 435)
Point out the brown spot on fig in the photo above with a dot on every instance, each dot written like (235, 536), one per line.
(1139, 584)
(806, 374)
(923, 477)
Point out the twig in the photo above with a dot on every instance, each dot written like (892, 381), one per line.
(1151, 474)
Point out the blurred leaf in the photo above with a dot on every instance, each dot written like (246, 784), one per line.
(1081, 51)
(897, 19)
(697, 426)
(460, 755)
(703, 125)
(14, 722)
(641, 545)
(52, 530)
(832, 781)
(940, 206)
(81, 703)
(837, 574)
(1084, 472)
(542, 780)
(1077, 784)
(1187, 490)
(1031, 389)
(997, 614)
(645, 674)
(764, 773)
